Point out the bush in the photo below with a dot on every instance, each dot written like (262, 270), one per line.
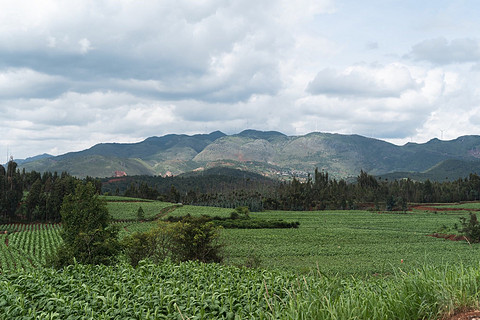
(192, 238)
(140, 214)
(470, 228)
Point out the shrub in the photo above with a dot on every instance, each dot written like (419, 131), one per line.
(140, 213)
(470, 228)
(192, 238)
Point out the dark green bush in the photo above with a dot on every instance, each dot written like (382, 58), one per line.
(192, 238)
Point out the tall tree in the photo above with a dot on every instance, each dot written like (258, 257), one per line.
(14, 189)
(87, 235)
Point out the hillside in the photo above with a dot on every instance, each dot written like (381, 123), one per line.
(269, 153)
(447, 170)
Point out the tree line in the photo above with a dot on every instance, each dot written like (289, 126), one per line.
(32, 196)
(318, 192)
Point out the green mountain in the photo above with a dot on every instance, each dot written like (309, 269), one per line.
(447, 170)
(269, 153)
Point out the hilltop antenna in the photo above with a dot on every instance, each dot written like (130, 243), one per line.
(441, 134)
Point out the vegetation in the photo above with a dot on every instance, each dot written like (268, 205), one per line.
(129, 210)
(87, 236)
(470, 227)
(238, 222)
(209, 291)
(192, 238)
(319, 192)
(31, 196)
(390, 256)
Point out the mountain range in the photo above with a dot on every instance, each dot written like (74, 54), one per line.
(271, 154)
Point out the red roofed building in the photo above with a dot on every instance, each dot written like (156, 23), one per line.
(120, 174)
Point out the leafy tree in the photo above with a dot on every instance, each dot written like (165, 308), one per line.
(196, 238)
(87, 236)
(192, 238)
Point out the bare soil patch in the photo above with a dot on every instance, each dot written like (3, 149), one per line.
(451, 237)
(470, 315)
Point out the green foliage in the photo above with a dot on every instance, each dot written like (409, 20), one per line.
(127, 210)
(210, 291)
(240, 222)
(193, 238)
(470, 228)
(87, 236)
(138, 246)
(196, 238)
(140, 213)
(242, 211)
(26, 246)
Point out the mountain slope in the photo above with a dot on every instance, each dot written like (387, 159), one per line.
(269, 153)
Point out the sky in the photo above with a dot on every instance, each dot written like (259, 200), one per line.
(80, 72)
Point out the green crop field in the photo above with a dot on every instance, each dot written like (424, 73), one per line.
(466, 206)
(200, 291)
(198, 211)
(350, 242)
(128, 210)
(26, 246)
(336, 265)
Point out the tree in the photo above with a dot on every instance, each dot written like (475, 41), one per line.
(140, 213)
(86, 233)
(33, 200)
(14, 189)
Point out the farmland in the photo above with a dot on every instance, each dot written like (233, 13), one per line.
(372, 242)
(336, 265)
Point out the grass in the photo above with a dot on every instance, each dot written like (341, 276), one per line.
(199, 291)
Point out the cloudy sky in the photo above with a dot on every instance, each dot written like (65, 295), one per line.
(80, 72)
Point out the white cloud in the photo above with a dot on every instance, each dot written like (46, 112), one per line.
(81, 72)
(440, 51)
(384, 81)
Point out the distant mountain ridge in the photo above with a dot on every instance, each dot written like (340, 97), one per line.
(269, 153)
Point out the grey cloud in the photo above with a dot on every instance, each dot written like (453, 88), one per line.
(27, 83)
(440, 51)
(173, 44)
(362, 82)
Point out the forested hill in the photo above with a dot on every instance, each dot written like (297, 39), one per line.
(269, 153)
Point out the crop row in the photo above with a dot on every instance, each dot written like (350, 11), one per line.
(200, 291)
(128, 210)
(29, 247)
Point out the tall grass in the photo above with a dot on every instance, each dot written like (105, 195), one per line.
(198, 291)
(426, 293)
